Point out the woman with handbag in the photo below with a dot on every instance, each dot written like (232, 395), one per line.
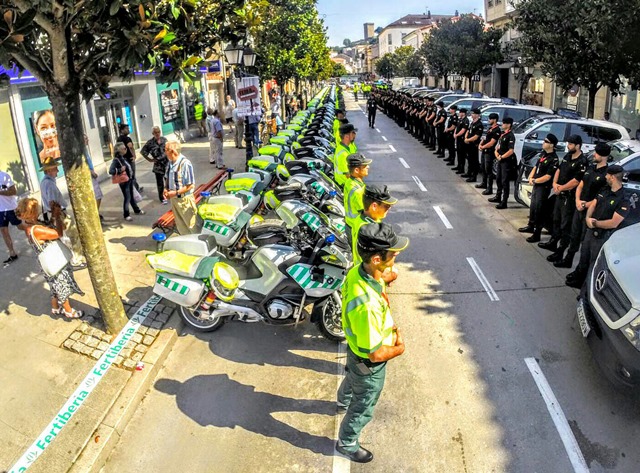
(121, 174)
(54, 258)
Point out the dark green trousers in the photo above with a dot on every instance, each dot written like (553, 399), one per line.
(360, 392)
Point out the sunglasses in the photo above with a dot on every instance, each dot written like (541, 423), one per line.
(547, 141)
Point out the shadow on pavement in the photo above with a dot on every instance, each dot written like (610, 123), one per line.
(219, 401)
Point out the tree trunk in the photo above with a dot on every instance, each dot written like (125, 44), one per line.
(66, 107)
(593, 90)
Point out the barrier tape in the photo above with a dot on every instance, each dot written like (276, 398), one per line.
(64, 415)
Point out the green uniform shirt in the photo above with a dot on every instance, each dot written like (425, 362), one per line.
(353, 148)
(361, 220)
(366, 316)
(340, 166)
(353, 193)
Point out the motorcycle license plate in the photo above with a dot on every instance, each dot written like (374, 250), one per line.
(582, 319)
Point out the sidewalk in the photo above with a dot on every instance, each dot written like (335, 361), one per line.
(37, 374)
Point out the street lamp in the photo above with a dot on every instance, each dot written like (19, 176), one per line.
(236, 56)
(522, 72)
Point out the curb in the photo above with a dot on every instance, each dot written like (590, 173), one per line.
(99, 445)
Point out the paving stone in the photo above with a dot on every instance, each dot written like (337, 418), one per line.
(77, 347)
(118, 361)
(140, 349)
(137, 356)
(168, 310)
(157, 325)
(84, 328)
(153, 332)
(148, 340)
(103, 346)
(129, 364)
(126, 352)
(86, 350)
(93, 342)
(142, 330)
(68, 344)
(96, 354)
(105, 337)
(162, 318)
(85, 339)
(137, 338)
(75, 336)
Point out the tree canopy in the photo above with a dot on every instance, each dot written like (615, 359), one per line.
(338, 70)
(592, 43)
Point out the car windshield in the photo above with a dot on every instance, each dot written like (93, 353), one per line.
(526, 125)
(446, 101)
(620, 151)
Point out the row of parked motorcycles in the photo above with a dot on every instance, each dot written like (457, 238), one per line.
(274, 247)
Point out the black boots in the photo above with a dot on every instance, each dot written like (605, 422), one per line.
(566, 262)
(527, 229)
(550, 245)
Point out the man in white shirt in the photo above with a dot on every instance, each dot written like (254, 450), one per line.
(239, 123)
(215, 130)
(8, 204)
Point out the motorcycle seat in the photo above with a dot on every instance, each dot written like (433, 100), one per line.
(224, 213)
(181, 264)
(248, 181)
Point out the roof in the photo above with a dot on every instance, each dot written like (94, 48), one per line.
(416, 21)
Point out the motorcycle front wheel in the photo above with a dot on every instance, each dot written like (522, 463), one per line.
(200, 321)
(329, 321)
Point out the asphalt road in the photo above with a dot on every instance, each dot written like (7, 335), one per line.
(461, 398)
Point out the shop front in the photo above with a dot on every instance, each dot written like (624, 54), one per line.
(625, 110)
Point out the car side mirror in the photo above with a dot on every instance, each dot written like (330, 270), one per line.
(532, 136)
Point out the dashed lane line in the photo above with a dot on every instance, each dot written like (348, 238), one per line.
(443, 217)
(392, 148)
(403, 162)
(419, 183)
(557, 415)
(378, 130)
(483, 280)
(384, 138)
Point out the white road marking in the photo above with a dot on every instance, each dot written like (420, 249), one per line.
(419, 183)
(340, 464)
(404, 163)
(384, 138)
(557, 415)
(87, 385)
(483, 280)
(392, 148)
(443, 217)
(378, 130)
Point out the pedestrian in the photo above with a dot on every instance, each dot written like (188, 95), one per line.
(376, 202)
(459, 136)
(61, 285)
(441, 118)
(200, 117)
(541, 178)
(506, 157)
(603, 217)
(487, 148)
(472, 141)
(592, 183)
(565, 181)
(372, 336)
(228, 112)
(450, 129)
(239, 123)
(254, 121)
(354, 188)
(94, 176)
(216, 136)
(55, 205)
(120, 166)
(343, 150)
(178, 188)
(356, 89)
(372, 108)
(153, 151)
(130, 155)
(8, 204)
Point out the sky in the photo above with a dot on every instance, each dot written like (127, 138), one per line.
(344, 19)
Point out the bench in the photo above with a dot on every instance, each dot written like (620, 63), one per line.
(166, 222)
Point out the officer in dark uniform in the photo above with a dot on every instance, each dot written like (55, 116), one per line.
(430, 119)
(565, 181)
(461, 147)
(593, 181)
(372, 108)
(603, 217)
(472, 141)
(506, 156)
(541, 178)
(488, 149)
(441, 118)
(452, 123)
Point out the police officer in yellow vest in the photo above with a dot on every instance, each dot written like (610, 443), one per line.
(376, 202)
(354, 188)
(336, 124)
(372, 337)
(344, 149)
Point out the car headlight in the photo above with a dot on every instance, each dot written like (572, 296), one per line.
(632, 332)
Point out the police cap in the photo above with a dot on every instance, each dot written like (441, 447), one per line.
(380, 237)
(453, 107)
(494, 116)
(379, 194)
(476, 111)
(551, 138)
(615, 169)
(355, 160)
(603, 149)
(462, 110)
(508, 120)
(575, 139)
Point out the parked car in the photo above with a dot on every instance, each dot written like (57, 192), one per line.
(474, 102)
(609, 309)
(519, 113)
(531, 133)
(448, 99)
